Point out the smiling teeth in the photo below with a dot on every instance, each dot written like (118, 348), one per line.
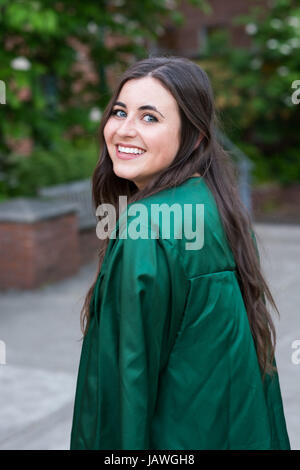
(130, 150)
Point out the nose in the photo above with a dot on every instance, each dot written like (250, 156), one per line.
(126, 128)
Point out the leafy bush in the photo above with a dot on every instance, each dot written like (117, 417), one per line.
(260, 171)
(254, 87)
(46, 168)
(49, 94)
(285, 166)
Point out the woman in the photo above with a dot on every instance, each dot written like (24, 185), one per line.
(178, 348)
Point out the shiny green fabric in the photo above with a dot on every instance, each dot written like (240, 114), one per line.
(169, 361)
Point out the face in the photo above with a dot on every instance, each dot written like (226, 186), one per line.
(143, 132)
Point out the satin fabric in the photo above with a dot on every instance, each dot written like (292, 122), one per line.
(169, 360)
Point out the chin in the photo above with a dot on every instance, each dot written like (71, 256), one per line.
(126, 173)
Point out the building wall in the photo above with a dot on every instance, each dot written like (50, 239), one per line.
(189, 39)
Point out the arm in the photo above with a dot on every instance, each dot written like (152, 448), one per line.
(140, 314)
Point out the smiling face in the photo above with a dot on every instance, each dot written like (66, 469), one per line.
(143, 132)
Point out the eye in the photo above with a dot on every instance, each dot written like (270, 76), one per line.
(153, 118)
(116, 111)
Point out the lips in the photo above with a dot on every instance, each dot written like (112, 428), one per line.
(128, 156)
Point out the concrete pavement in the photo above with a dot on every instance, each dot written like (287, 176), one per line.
(279, 247)
(42, 335)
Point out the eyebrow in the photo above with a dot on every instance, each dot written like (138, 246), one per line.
(145, 106)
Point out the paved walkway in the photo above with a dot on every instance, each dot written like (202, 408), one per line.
(42, 335)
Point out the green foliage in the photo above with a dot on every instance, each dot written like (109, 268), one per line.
(39, 46)
(8, 164)
(253, 86)
(261, 170)
(45, 168)
(285, 166)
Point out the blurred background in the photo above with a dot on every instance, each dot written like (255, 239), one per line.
(59, 61)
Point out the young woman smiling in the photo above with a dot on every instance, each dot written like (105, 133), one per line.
(179, 345)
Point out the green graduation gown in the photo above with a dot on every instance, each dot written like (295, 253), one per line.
(169, 360)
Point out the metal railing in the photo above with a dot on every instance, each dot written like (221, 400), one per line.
(79, 192)
(244, 166)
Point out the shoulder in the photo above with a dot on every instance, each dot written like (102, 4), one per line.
(173, 206)
(139, 255)
(185, 219)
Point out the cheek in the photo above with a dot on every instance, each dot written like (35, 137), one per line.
(108, 132)
(168, 142)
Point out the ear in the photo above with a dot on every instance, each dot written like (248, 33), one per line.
(198, 141)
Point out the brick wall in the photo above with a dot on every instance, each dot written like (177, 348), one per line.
(36, 253)
(89, 245)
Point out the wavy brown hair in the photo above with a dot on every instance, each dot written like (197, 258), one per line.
(191, 88)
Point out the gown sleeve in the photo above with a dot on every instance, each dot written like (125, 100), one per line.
(138, 318)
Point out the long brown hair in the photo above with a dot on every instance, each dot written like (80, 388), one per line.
(190, 86)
